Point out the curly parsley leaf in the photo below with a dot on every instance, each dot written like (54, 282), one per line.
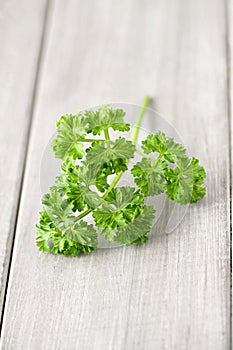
(118, 149)
(136, 231)
(120, 207)
(123, 217)
(105, 118)
(45, 231)
(70, 131)
(75, 183)
(149, 176)
(59, 231)
(114, 166)
(166, 147)
(133, 232)
(185, 183)
(102, 174)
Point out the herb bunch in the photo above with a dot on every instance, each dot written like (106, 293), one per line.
(92, 166)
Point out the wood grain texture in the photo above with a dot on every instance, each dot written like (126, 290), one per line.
(21, 26)
(172, 293)
(229, 13)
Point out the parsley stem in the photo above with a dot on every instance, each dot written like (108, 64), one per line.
(106, 134)
(134, 138)
(113, 184)
(107, 137)
(136, 129)
(84, 213)
(92, 140)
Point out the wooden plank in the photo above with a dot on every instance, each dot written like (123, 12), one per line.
(229, 43)
(172, 293)
(21, 27)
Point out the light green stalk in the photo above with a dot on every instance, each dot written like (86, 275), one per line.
(134, 137)
(136, 129)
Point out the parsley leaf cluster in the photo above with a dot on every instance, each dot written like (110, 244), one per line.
(92, 165)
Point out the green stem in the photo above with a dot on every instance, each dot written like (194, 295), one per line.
(155, 161)
(84, 213)
(113, 184)
(107, 137)
(106, 134)
(136, 129)
(91, 140)
(134, 138)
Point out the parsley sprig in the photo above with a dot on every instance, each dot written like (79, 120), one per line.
(92, 166)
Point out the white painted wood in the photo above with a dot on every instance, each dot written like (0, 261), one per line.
(229, 42)
(172, 293)
(21, 25)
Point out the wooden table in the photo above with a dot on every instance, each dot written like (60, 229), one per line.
(60, 56)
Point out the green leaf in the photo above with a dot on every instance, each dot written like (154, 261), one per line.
(166, 147)
(149, 176)
(120, 207)
(61, 183)
(105, 118)
(70, 130)
(75, 184)
(117, 150)
(78, 192)
(113, 166)
(185, 182)
(87, 178)
(59, 231)
(102, 174)
(136, 231)
(59, 210)
(45, 232)
(119, 165)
